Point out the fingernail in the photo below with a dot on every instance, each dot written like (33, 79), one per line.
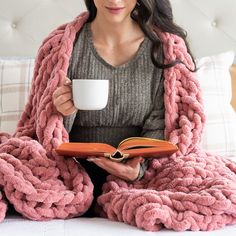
(67, 82)
(92, 159)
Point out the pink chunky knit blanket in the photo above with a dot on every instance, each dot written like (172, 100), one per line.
(191, 190)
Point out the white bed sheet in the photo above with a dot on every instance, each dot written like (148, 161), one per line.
(17, 225)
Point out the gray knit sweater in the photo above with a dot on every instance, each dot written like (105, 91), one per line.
(135, 104)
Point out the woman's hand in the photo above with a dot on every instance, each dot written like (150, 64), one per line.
(128, 171)
(62, 99)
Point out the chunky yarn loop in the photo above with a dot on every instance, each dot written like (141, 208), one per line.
(191, 190)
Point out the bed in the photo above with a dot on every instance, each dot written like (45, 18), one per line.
(211, 34)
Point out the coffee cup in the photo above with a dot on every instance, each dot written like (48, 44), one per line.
(90, 94)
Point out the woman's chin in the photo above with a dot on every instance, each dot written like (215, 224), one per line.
(117, 19)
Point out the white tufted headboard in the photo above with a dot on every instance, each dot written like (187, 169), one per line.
(25, 23)
(210, 24)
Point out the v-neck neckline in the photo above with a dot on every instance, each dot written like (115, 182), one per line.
(139, 52)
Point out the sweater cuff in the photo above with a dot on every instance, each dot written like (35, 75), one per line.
(143, 168)
(68, 122)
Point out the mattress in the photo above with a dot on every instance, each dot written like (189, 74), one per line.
(15, 224)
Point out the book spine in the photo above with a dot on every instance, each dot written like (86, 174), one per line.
(114, 158)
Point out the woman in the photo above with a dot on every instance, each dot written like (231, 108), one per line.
(120, 44)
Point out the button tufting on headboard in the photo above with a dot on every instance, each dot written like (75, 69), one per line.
(24, 24)
(209, 23)
(13, 25)
(214, 23)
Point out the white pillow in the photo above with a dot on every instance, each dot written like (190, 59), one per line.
(15, 81)
(220, 131)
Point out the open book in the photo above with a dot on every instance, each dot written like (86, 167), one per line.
(128, 148)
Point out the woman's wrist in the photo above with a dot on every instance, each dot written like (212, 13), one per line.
(134, 174)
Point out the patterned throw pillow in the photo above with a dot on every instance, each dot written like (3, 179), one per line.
(15, 81)
(220, 132)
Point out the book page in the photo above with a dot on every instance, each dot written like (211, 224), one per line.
(140, 142)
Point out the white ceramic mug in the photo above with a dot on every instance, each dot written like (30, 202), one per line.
(90, 94)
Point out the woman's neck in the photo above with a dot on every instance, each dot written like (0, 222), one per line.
(115, 33)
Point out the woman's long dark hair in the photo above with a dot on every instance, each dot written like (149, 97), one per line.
(149, 13)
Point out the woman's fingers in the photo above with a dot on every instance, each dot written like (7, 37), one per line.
(106, 164)
(61, 91)
(62, 98)
(68, 109)
(67, 81)
(133, 162)
(128, 171)
(64, 81)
